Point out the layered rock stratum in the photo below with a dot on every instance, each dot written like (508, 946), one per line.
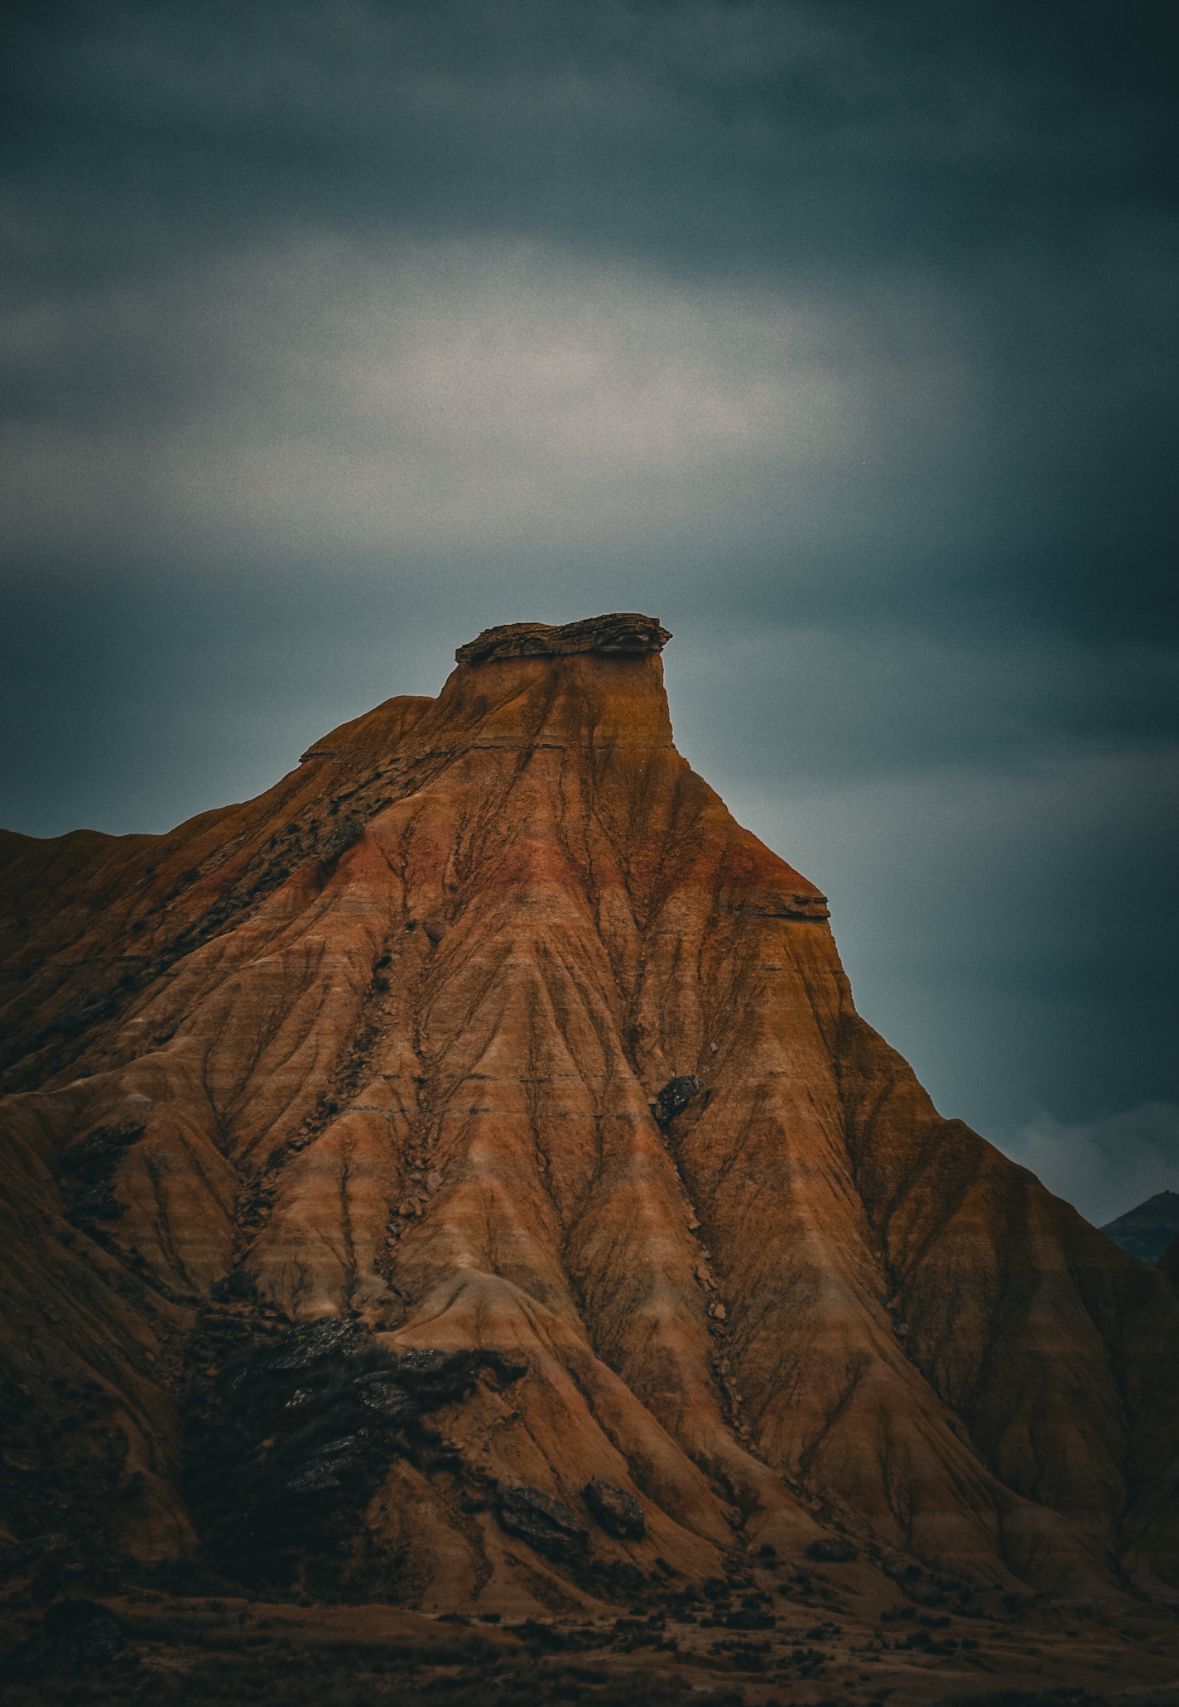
(461, 1175)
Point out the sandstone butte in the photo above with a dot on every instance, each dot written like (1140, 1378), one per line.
(487, 1071)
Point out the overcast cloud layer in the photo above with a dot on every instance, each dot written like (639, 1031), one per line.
(840, 336)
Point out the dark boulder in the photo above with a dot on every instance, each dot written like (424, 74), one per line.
(303, 1347)
(545, 1523)
(618, 1512)
(388, 1398)
(333, 1465)
(674, 1098)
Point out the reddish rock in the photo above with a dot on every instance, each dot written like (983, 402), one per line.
(392, 1045)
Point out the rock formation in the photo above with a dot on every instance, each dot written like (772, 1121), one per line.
(467, 1157)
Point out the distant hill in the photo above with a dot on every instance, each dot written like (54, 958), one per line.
(1147, 1231)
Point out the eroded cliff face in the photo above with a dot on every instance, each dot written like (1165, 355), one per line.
(488, 1030)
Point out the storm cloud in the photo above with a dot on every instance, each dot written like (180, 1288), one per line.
(840, 337)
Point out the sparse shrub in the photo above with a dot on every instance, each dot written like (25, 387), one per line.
(293, 1433)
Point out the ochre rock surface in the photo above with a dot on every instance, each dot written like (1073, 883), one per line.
(387, 1045)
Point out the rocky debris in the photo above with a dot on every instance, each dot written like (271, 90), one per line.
(674, 1098)
(544, 1522)
(86, 1169)
(618, 1512)
(389, 1398)
(331, 1465)
(620, 632)
(344, 834)
(304, 1347)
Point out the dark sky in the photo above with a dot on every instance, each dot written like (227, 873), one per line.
(841, 336)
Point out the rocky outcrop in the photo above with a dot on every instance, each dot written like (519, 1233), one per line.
(674, 1098)
(488, 1063)
(546, 1523)
(618, 1512)
(628, 633)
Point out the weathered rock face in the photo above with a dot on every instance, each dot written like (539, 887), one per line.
(487, 1033)
(620, 633)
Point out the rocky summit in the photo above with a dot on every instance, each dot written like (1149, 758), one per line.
(460, 1178)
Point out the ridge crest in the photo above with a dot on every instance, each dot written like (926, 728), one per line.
(620, 631)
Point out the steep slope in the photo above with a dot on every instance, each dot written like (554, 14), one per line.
(488, 1030)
